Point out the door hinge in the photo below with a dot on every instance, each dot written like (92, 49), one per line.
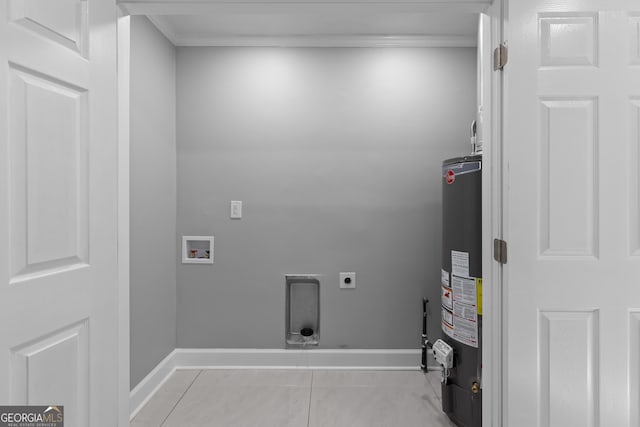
(500, 57)
(500, 251)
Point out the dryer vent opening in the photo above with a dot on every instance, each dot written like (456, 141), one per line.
(302, 310)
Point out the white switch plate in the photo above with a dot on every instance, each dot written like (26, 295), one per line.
(348, 280)
(236, 209)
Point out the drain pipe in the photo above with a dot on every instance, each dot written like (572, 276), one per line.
(425, 340)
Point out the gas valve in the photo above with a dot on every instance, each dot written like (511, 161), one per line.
(443, 354)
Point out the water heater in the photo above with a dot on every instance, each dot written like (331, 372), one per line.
(461, 285)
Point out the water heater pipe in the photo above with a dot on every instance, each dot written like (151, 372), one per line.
(424, 340)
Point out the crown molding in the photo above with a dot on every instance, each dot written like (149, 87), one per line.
(161, 11)
(176, 7)
(311, 40)
(324, 41)
(160, 22)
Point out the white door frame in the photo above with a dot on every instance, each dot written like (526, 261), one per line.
(494, 362)
(493, 190)
(124, 355)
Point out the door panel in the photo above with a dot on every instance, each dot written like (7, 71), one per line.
(68, 351)
(634, 35)
(568, 39)
(572, 152)
(63, 22)
(568, 143)
(58, 208)
(48, 174)
(634, 165)
(570, 390)
(634, 366)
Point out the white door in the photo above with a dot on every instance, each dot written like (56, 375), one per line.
(58, 210)
(572, 123)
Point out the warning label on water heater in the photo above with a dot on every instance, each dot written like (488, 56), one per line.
(460, 310)
(447, 298)
(460, 263)
(447, 318)
(445, 278)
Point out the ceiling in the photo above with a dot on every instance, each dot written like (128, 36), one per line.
(313, 23)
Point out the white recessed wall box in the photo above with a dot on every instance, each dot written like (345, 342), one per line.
(197, 249)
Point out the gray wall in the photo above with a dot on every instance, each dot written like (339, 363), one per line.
(153, 198)
(336, 156)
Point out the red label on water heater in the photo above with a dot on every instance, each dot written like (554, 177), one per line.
(450, 177)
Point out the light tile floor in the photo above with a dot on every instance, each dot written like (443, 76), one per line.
(295, 398)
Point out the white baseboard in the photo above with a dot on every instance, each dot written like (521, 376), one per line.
(244, 358)
(197, 358)
(150, 384)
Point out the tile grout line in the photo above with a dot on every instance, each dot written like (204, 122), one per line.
(180, 399)
(310, 393)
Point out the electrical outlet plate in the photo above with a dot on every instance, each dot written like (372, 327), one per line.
(348, 280)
